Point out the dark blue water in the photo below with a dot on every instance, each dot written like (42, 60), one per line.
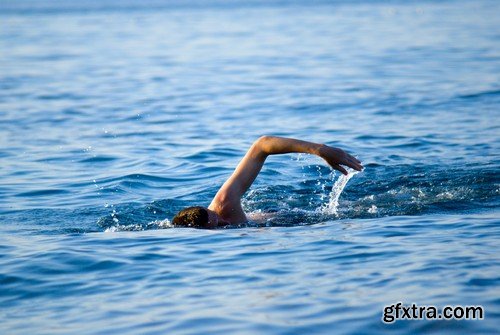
(115, 115)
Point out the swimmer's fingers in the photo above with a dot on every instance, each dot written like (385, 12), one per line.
(350, 161)
(353, 163)
(356, 160)
(340, 168)
(352, 158)
(336, 157)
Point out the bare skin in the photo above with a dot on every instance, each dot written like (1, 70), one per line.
(225, 207)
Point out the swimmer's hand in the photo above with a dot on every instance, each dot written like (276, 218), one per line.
(337, 157)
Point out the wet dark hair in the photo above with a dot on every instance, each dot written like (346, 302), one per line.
(196, 217)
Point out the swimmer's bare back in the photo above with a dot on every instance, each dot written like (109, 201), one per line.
(226, 205)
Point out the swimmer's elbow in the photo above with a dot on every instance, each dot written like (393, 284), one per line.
(262, 145)
(265, 138)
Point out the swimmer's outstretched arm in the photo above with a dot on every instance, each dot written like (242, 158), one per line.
(227, 200)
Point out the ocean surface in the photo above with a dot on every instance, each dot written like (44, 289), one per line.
(114, 115)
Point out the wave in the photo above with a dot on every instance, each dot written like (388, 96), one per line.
(486, 93)
(367, 195)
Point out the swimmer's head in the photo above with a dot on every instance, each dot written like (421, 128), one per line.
(196, 217)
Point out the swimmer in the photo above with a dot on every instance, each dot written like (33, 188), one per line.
(225, 208)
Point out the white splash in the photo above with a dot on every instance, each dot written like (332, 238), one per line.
(157, 224)
(373, 209)
(333, 203)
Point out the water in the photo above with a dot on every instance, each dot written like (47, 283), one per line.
(333, 204)
(115, 115)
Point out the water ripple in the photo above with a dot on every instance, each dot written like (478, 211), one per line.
(117, 114)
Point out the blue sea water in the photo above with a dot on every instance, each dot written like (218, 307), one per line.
(116, 114)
